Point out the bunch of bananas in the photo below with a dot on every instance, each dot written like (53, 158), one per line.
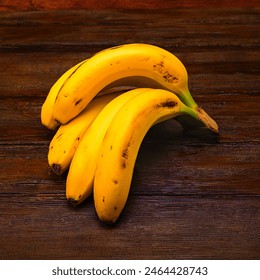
(100, 129)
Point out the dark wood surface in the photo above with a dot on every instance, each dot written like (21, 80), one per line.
(192, 196)
(29, 5)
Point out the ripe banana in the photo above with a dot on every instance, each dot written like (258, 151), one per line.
(121, 144)
(140, 65)
(79, 184)
(68, 136)
(47, 107)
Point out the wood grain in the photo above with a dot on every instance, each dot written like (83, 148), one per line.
(25, 5)
(193, 196)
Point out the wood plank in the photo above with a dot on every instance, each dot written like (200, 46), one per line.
(202, 29)
(167, 228)
(7, 5)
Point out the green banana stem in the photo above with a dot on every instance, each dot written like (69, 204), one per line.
(187, 99)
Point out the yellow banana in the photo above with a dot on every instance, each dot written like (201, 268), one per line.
(80, 177)
(121, 144)
(68, 136)
(140, 65)
(47, 107)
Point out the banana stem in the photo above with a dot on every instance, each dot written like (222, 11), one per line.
(207, 120)
(197, 118)
(197, 113)
(187, 99)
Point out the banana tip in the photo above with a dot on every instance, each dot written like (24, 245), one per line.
(56, 168)
(207, 120)
(73, 201)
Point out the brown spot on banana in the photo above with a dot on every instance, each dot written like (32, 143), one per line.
(169, 78)
(59, 136)
(56, 168)
(78, 101)
(168, 103)
(125, 154)
(123, 163)
(73, 201)
(125, 151)
(159, 67)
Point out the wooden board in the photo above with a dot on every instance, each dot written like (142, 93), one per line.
(192, 196)
(28, 5)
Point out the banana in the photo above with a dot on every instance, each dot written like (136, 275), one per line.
(140, 65)
(68, 136)
(47, 107)
(121, 144)
(80, 177)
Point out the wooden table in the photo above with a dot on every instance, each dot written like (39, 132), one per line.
(192, 197)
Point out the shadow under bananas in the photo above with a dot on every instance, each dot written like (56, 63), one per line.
(165, 144)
